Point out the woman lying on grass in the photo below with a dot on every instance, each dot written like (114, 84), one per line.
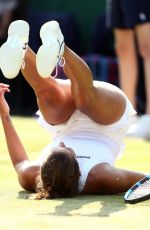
(89, 120)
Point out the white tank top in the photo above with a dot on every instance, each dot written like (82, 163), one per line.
(93, 143)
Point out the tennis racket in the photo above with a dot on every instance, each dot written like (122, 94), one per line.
(139, 191)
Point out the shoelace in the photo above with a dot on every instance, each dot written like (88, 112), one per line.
(60, 63)
(24, 50)
(61, 59)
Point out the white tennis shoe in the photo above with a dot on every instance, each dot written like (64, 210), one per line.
(51, 51)
(13, 50)
(141, 128)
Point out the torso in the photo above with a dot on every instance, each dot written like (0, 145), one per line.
(93, 143)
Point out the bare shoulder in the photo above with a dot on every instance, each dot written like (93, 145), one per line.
(27, 174)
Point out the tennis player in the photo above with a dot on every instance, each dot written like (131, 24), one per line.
(88, 119)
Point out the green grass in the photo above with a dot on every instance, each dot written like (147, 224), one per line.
(83, 212)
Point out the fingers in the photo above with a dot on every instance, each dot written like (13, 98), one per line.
(4, 88)
(2, 85)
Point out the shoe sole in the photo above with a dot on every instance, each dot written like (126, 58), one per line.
(46, 60)
(10, 69)
(47, 55)
(11, 55)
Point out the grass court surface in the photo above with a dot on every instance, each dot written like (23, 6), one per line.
(83, 212)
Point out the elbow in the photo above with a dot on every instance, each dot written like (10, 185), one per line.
(26, 183)
(27, 177)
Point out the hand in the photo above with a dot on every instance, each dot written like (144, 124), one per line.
(4, 108)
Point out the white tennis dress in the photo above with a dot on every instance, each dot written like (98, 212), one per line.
(93, 143)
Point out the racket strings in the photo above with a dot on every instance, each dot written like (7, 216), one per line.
(142, 190)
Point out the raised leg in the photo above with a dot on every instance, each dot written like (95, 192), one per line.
(95, 99)
(57, 100)
(53, 96)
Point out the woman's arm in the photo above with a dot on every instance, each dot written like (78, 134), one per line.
(106, 179)
(25, 169)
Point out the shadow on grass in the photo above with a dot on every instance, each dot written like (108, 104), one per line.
(106, 206)
(92, 206)
(23, 194)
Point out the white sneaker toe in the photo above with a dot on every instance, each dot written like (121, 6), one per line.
(141, 129)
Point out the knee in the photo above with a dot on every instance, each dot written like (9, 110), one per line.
(42, 93)
(122, 49)
(43, 96)
(144, 50)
